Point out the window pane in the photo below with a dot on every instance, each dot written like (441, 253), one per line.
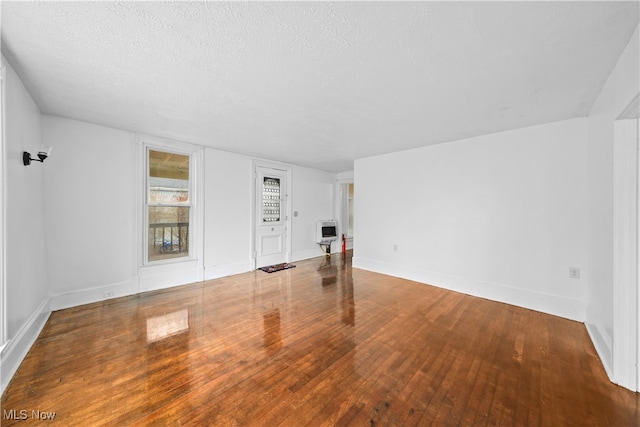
(168, 178)
(271, 199)
(168, 191)
(168, 232)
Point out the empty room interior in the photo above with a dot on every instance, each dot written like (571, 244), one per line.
(320, 213)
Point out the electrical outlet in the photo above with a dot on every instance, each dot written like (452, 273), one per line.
(574, 273)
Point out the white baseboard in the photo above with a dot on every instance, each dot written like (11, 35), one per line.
(218, 271)
(17, 347)
(91, 295)
(309, 253)
(551, 304)
(144, 283)
(603, 344)
(167, 278)
(336, 247)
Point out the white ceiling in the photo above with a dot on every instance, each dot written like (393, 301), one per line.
(316, 84)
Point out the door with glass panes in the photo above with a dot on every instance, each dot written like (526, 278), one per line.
(271, 227)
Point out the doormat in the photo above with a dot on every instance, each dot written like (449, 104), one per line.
(276, 267)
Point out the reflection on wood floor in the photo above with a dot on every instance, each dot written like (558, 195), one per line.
(319, 344)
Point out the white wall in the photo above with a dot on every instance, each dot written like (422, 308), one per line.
(26, 258)
(313, 199)
(501, 216)
(90, 210)
(228, 204)
(26, 235)
(619, 89)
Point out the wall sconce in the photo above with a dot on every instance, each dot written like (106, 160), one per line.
(42, 154)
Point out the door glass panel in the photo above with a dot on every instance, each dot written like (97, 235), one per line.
(270, 199)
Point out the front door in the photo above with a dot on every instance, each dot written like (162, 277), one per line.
(271, 216)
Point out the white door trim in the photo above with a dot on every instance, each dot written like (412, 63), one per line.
(255, 203)
(626, 327)
(3, 204)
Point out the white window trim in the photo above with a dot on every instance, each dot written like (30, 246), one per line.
(194, 262)
(3, 204)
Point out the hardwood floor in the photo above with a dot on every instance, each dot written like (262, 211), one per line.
(319, 344)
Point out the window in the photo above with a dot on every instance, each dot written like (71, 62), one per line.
(169, 236)
(168, 205)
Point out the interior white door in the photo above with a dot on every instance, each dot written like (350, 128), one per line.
(271, 216)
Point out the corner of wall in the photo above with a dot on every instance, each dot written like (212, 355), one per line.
(603, 343)
(91, 295)
(619, 88)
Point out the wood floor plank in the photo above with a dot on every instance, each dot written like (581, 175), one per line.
(321, 344)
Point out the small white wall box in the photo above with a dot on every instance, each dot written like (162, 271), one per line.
(326, 232)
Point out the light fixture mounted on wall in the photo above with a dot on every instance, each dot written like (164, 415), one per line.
(42, 154)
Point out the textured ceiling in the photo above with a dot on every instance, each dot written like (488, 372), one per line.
(317, 84)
